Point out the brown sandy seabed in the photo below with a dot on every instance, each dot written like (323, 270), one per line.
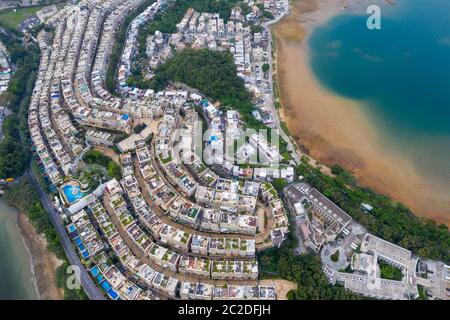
(334, 129)
(44, 262)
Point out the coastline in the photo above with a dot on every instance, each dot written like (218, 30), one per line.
(43, 262)
(27, 248)
(336, 130)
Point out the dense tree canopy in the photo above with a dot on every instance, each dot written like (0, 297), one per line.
(14, 147)
(211, 72)
(214, 74)
(113, 169)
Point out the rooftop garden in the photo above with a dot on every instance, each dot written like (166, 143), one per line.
(153, 250)
(389, 272)
(127, 220)
(184, 238)
(165, 158)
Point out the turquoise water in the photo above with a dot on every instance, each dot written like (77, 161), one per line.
(16, 278)
(73, 193)
(400, 75)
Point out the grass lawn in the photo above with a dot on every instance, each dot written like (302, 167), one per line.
(284, 127)
(390, 272)
(422, 295)
(11, 19)
(335, 256)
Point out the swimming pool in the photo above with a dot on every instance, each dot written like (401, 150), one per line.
(113, 294)
(72, 193)
(78, 241)
(95, 271)
(106, 286)
(72, 228)
(100, 278)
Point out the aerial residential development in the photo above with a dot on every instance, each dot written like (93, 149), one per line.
(163, 188)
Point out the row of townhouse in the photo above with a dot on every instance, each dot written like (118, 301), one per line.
(51, 84)
(219, 269)
(175, 237)
(237, 269)
(279, 214)
(231, 247)
(130, 48)
(171, 137)
(204, 291)
(88, 242)
(103, 270)
(190, 213)
(151, 221)
(185, 212)
(105, 101)
(114, 283)
(63, 59)
(144, 272)
(83, 234)
(196, 23)
(204, 175)
(221, 221)
(104, 110)
(168, 235)
(164, 257)
(205, 29)
(68, 46)
(5, 69)
(180, 177)
(47, 155)
(235, 200)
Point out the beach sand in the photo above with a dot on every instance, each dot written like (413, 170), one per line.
(335, 130)
(44, 262)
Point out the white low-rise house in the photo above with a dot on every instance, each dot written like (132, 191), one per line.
(164, 257)
(234, 269)
(196, 291)
(195, 266)
(199, 244)
(100, 137)
(175, 237)
(166, 284)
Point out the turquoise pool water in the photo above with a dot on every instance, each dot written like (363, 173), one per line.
(73, 193)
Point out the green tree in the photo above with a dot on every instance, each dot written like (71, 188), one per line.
(265, 68)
